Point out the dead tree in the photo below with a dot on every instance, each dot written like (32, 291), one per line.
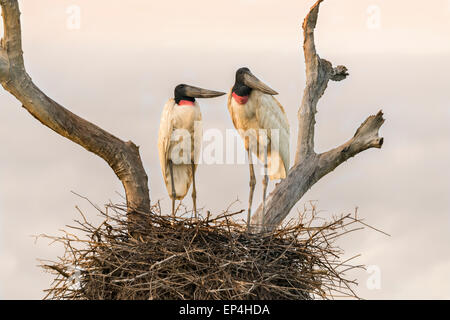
(124, 158)
(309, 166)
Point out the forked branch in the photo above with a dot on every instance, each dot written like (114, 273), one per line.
(122, 157)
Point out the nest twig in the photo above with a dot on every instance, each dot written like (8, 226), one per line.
(208, 258)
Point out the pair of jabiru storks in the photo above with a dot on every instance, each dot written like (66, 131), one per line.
(259, 118)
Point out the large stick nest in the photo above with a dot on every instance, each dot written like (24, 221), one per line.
(208, 258)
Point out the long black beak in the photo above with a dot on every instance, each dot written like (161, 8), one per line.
(253, 82)
(195, 92)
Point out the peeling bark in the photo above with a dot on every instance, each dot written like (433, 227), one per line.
(310, 167)
(123, 157)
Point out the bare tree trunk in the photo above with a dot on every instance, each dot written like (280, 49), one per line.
(122, 157)
(309, 167)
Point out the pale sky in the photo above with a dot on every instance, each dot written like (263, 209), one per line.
(120, 67)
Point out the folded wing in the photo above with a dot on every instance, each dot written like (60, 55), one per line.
(272, 118)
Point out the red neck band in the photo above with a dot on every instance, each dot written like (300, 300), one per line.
(186, 103)
(239, 99)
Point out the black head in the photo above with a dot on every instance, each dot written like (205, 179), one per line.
(187, 92)
(180, 94)
(245, 82)
(240, 74)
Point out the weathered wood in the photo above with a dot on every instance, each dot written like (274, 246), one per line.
(309, 167)
(123, 157)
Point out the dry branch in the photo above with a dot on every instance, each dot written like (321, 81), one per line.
(309, 167)
(122, 157)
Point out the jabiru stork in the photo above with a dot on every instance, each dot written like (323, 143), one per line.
(262, 122)
(178, 165)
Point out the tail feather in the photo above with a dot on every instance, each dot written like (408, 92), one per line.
(275, 166)
(182, 176)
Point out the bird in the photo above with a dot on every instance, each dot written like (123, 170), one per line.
(179, 141)
(263, 125)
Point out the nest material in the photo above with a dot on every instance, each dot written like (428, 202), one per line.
(208, 258)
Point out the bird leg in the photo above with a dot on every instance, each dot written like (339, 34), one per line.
(252, 187)
(265, 182)
(194, 190)
(174, 195)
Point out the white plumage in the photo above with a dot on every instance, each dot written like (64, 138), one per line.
(263, 112)
(176, 120)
